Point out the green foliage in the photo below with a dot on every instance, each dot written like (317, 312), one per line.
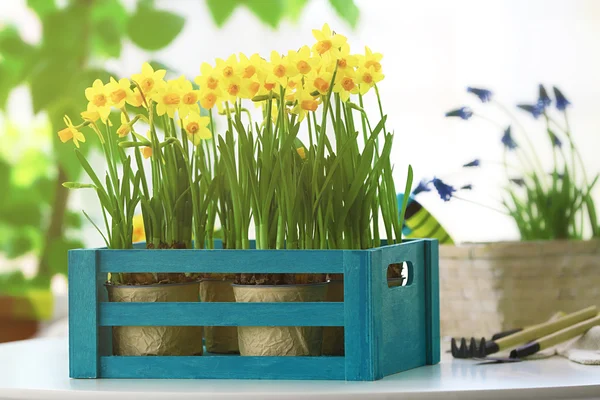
(272, 12)
(545, 212)
(16, 284)
(42, 7)
(346, 9)
(33, 218)
(58, 253)
(153, 29)
(109, 20)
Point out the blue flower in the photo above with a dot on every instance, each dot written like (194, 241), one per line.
(483, 94)
(561, 101)
(555, 140)
(543, 99)
(445, 191)
(518, 181)
(474, 163)
(422, 187)
(534, 110)
(508, 141)
(463, 112)
(467, 187)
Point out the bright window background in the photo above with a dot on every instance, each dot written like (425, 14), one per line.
(432, 51)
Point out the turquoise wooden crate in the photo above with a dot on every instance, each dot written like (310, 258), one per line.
(387, 330)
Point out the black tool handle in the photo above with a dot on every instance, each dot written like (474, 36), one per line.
(500, 335)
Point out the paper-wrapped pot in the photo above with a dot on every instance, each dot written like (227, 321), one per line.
(280, 340)
(219, 339)
(156, 340)
(333, 336)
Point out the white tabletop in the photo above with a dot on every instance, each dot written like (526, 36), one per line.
(38, 369)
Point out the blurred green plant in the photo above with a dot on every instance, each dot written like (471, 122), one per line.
(272, 12)
(76, 40)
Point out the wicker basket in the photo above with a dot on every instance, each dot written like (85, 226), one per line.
(488, 288)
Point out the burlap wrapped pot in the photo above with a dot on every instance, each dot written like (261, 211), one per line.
(280, 340)
(219, 339)
(156, 340)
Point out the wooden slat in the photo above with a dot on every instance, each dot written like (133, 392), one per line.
(222, 314)
(83, 314)
(432, 300)
(223, 367)
(357, 317)
(222, 261)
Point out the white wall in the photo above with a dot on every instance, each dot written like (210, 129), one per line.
(432, 51)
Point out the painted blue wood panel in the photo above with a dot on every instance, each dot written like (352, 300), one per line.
(83, 314)
(403, 312)
(223, 261)
(222, 314)
(223, 367)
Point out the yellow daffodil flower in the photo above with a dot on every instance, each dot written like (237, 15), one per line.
(168, 98)
(208, 80)
(91, 116)
(250, 66)
(138, 234)
(196, 128)
(118, 92)
(370, 59)
(302, 61)
(305, 102)
(301, 152)
(318, 81)
(268, 82)
(70, 133)
(232, 88)
(146, 150)
(125, 128)
(294, 84)
(208, 98)
(228, 68)
(250, 88)
(189, 97)
(346, 86)
(98, 99)
(346, 63)
(280, 68)
(328, 43)
(135, 98)
(149, 80)
(367, 77)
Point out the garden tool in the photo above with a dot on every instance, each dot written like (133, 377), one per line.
(555, 338)
(502, 334)
(483, 348)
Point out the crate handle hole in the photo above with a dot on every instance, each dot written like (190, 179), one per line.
(400, 274)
